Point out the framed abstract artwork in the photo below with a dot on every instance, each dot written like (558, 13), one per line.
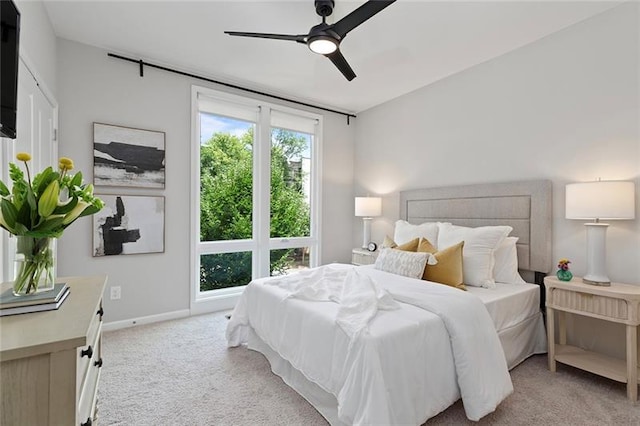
(127, 157)
(129, 224)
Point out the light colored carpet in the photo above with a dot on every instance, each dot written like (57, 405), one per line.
(181, 373)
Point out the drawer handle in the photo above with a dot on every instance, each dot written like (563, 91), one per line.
(87, 423)
(98, 363)
(88, 353)
(100, 312)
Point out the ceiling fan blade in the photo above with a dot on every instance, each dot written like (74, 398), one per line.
(358, 16)
(341, 63)
(301, 38)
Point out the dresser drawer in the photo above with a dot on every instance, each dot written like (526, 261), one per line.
(604, 306)
(83, 363)
(89, 392)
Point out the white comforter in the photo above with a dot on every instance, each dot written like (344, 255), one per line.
(391, 360)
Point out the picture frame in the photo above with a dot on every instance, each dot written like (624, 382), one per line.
(128, 157)
(129, 224)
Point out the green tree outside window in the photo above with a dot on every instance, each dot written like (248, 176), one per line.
(226, 203)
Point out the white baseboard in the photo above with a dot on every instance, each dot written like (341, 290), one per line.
(215, 304)
(116, 325)
(204, 306)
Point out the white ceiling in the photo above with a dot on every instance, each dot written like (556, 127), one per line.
(408, 45)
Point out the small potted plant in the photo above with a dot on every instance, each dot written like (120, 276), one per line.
(564, 274)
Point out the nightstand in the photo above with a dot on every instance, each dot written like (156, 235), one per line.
(360, 256)
(618, 303)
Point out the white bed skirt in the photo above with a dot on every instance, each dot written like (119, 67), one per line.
(524, 339)
(519, 342)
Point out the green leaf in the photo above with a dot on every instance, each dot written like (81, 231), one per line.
(20, 229)
(25, 215)
(20, 185)
(50, 224)
(77, 179)
(89, 211)
(67, 207)
(42, 180)
(9, 213)
(4, 191)
(43, 234)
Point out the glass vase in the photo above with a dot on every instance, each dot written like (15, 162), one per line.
(34, 265)
(564, 275)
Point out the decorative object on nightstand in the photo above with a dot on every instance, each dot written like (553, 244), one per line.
(564, 274)
(367, 208)
(618, 303)
(360, 256)
(613, 200)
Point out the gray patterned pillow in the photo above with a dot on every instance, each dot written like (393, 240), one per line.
(400, 262)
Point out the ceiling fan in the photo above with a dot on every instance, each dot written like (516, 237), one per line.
(324, 39)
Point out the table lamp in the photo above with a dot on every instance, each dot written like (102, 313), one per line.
(368, 207)
(610, 200)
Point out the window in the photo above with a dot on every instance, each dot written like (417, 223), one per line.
(256, 190)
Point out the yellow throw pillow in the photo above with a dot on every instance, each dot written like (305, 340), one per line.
(449, 268)
(409, 246)
(388, 242)
(426, 247)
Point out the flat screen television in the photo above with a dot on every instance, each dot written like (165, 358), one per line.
(9, 51)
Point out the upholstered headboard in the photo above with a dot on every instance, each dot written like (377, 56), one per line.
(525, 206)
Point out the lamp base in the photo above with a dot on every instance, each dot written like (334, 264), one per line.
(598, 283)
(366, 233)
(596, 255)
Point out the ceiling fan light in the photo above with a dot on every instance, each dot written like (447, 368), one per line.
(323, 45)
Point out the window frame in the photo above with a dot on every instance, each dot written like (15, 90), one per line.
(261, 244)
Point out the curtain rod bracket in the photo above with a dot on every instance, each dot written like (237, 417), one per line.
(141, 64)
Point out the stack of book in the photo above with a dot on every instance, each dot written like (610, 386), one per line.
(45, 301)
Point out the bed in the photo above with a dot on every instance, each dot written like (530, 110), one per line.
(414, 347)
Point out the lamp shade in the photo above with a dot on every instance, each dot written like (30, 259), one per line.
(368, 206)
(611, 200)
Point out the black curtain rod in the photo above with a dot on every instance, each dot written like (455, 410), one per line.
(142, 63)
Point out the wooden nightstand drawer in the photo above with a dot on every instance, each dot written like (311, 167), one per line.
(584, 302)
(363, 257)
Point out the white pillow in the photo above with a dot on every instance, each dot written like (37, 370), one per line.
(478, 251)
(407, 263)
(506, 267)
(405, 232)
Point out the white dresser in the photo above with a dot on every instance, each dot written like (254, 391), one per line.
(50, 361)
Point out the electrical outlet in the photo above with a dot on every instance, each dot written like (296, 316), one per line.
(115, 293)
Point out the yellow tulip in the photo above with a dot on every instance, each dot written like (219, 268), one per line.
(49, 199)
(73, 214)
(23, 156)
(65, 163)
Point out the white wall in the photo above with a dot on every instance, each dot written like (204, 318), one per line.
(93, 87)
(563, 108)
(38, 42)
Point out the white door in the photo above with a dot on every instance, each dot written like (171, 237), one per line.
(36, 124)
